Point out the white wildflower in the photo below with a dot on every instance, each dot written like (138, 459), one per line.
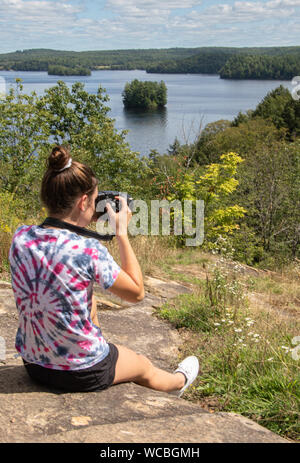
(270, 359)
(217, 324)
(238, 330)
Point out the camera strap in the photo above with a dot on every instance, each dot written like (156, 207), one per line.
(51, 221)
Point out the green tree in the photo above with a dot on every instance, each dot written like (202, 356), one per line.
(214, 184)
(291, 118)
(80, 119)
(29, 125)
(273, 105)
(270, 191)
(24, 133)
(278, 107)
(242, 139)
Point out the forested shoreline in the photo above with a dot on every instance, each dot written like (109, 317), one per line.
(278, 63)
(261, 67)
(54, 70)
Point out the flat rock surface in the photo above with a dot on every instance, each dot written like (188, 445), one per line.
(122, 413)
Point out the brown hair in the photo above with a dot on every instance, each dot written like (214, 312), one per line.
(60, 188)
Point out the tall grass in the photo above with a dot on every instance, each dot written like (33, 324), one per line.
(151, 251)
(246, 357)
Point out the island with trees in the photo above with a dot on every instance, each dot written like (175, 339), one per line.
(144, 95)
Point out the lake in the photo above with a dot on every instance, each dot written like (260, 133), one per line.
(194, 100)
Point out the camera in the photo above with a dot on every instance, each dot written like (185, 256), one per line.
(105, 197)
(100, 202)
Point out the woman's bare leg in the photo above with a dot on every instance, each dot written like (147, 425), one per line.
(138, 369)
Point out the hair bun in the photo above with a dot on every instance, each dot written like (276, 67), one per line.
(58, 158)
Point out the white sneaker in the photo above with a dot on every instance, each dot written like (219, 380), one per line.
(190, 368)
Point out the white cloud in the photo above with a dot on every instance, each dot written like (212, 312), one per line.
(282, 3)
(152, 11)
(147, 13)
(251, 11)
(152, 4)
(28, 10)
(147, 23)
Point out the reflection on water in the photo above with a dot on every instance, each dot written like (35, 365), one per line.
(152, 116)
(194, 100)
(142, 125)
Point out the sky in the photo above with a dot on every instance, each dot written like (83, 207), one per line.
(125, 24)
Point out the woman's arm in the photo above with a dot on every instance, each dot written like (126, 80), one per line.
(129, 283)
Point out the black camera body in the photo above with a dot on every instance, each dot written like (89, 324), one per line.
(105, 197)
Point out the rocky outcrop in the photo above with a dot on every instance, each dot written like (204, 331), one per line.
(125, 412)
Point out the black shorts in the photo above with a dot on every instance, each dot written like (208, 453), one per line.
(95, 378)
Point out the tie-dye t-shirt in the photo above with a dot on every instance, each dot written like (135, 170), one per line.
(52, 272)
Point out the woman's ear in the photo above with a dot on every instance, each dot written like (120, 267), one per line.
(83, 203)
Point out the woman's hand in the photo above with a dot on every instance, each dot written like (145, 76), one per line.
(129, 283)
(119, 220)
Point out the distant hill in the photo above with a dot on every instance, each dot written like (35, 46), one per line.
(208, 61)
(229, 63)
(237, 63)
(41, 59)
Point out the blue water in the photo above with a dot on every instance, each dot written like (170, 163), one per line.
(194, 100)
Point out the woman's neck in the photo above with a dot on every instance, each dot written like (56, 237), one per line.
(68, 219)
